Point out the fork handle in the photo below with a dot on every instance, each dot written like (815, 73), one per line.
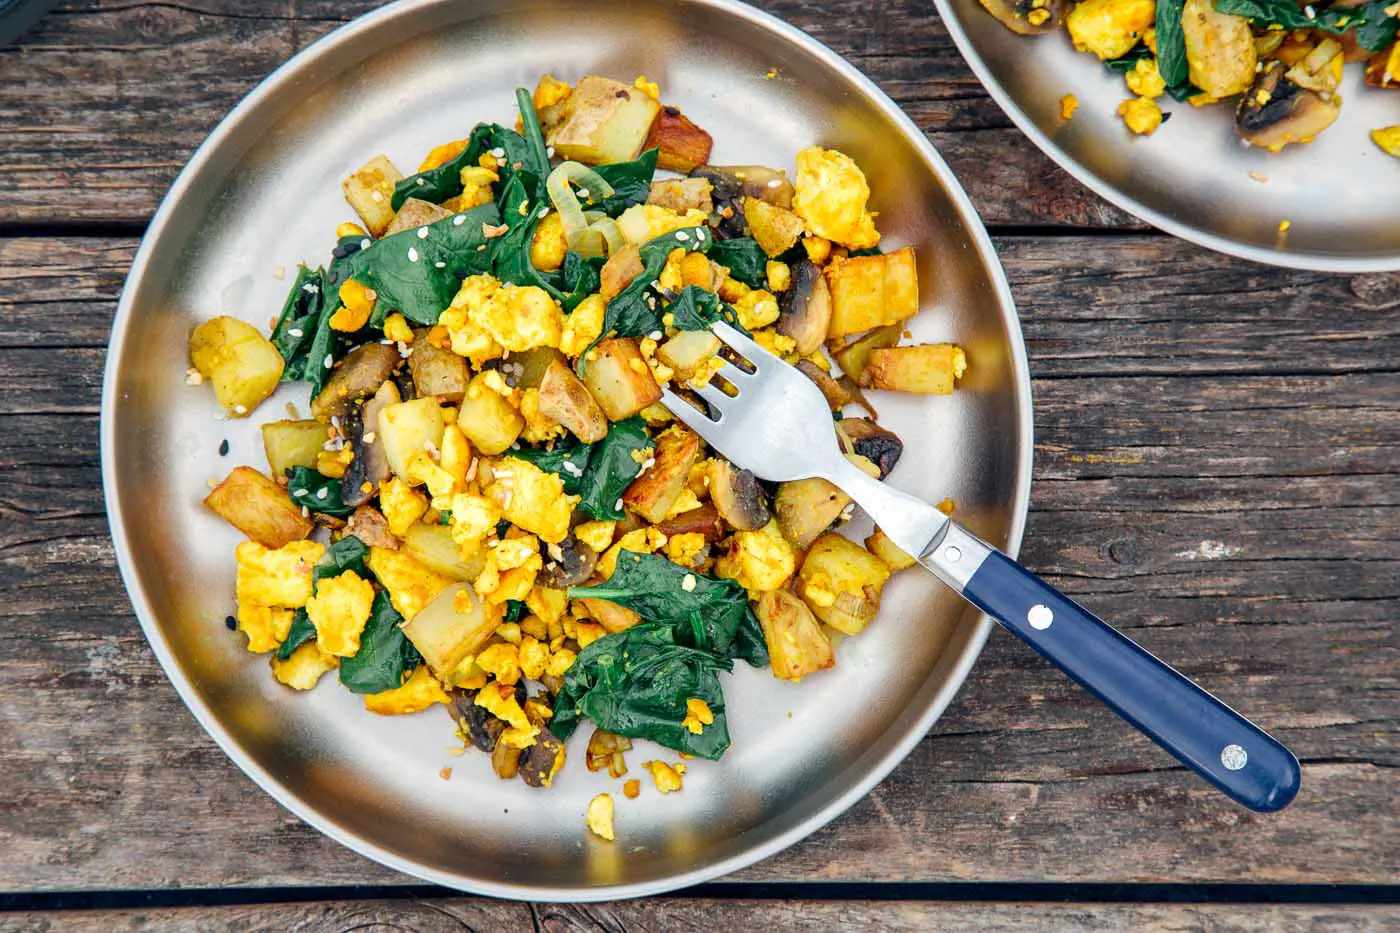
(1202, 732)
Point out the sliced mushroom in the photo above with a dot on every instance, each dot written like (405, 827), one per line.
(737, 496)
(369, 525)
(876, 444)
(542, 760)
(808, 507)
(605, 751)
(1275, 112)
(729, 185)
(838, 392)
(568, 563)
(806, 308)
(363, 370)
(1027, 17)
(371, 464)
(704, 520)
(480, 727)
(505, 761)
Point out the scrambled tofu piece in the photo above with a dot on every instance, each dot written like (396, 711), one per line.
(597, 534)
(539, 427)
(411, 585)
(666, 778)
(499, 700)
(1145, 80)
(1141, 115)
(550, 92)
(339, 610)
(549, 245)
(547, 603)
(501, 661)
(476, 189)
(685, 548)
(1110, 28)
(531, 498)
(1388, 139)
(304, 668)
(778, 276)
(697, 715)
(583, 325)
(831, 198)
(641, 223)
(473, 518)
(756, 309)
(520, 318)
(439, 156)
(760, 560)
(1068, 105)
(600, 816)
(402, 505)
(416, 694)
(265, 626)
(281, 577)
(638, 541)
(468, 338)
(532, 655)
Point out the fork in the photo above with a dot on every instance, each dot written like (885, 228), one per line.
(778, 426)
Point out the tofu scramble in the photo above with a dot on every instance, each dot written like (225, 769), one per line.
(488, 509)
(1278, 62)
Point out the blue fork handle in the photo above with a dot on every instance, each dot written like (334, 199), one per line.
(1206, 735)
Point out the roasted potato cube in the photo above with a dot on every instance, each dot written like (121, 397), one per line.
(437, 370)
(682, 194)
(603, 121)
(882, 547)
(841, 581)
(1219, 49)
(407, 429)
(415, 213)
(871, 291)
(487, 419)
(854, 355)
(457, 623)
(370, 191)
(684, 146)
(241, 364)
(775, 229)
(618, 272)
(797, 646)
(687, 350)
(929, 369)
(259, 508)
(619, 379)
(432, 546)
(292, 444)
(565, 399)
(807, 507)
(610, 615)
(652, 493)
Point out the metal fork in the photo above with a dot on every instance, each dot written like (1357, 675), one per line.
(778, 426)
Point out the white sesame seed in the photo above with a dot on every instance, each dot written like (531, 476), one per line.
(498, 153)
(311, 288)
(369, 437)
(573, 469)
(366, 243)
(421, 180)
(1312, 14)
(774, 182)
(688, 582)
(583, 192)
(617, 506)
(439, 265)
(298, 492)
(655, 335)
(240, 409)
(305, 512)
(412, 254)
(330, 361)
(459, 220)
(295, 332)
(682, 235)
(323, 492)
(422, 233)
(549, 151)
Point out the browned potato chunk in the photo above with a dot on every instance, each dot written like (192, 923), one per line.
(854, 355)
(406, 429)
(603, 121)
(414, 214)
(565, 399)
(487, 419)
(619, 379)
(1219, 49)
(432, 546)
(841, 581)
(775, 228)
(807, 507)
(259, 508)
(871, 291)
(882, 547)
(652, 494)
(797, 646)
(455, 624)
(437, 370)
(609, 615)
(929, 369)
(292, 444)
(684, 146)
(682, 194)
(370, 191)
(687, 350)
(621, 268)
(241, 364)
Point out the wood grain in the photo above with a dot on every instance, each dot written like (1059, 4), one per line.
(1236, 509)
(455, 915)
(103, 103)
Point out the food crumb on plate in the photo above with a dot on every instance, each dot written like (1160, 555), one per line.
(1068, 105)
(632, 789)
(600, 817)
(1259, 177)
(666, 778)
(445, 773)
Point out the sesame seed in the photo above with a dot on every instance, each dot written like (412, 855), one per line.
(193, 377)
(230, 623)
(655, 335)
(296, 332)
(330, 361)
(549, 151)
(366, 243)
(439, 265)
(311, 288)
(298, 492)
(420, 180)
(323, 492)
(240, 409)
(422, 233)
(459, 220)
(682, 235)
(688, 582)
(498, 153)
(412, 254)
(369, 437)
(583, 192)
(305, 512)
(617, 506)
(223, 448)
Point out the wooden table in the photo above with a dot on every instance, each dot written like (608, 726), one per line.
(1217, 469)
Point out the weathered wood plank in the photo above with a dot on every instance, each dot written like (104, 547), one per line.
(453, 915)
(102, 104)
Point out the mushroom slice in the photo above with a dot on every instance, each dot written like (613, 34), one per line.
(1027, 17)
(363, 370)
(371, 464)
(568, 563)
(1275, 112)
(880, 446)
(738, 496)
(806, 308)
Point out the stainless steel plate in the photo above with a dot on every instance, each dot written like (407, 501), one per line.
(263, 193)
(1192, 178)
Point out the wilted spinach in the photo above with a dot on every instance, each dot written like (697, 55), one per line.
(301, 632)
(576, 455)
(445, 181)
(1171, 42)
(631, 183)
(385, 654)
(1126, 63)
(303, 334)
(599, 472)
(745, 260)
(318, 493)
(633, 312)
(697, 309)
(346, 554)
(1375, 27)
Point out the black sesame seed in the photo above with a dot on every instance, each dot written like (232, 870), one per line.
(231, 623)
(223, 448)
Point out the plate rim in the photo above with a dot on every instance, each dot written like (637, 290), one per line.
(1283, 258)
(304, 810)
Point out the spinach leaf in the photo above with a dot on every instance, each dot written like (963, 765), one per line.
(745, 260)
(417, 272)
(866, 251)
(318, 493)
(697, 309)
(303, 333)
(1380, 27)
(611, 469)
(445, 181)
(1375, 28)
(346, 554)
(553, 461)
(749, 644)
(633, 312)
(631, 183)
(385, 654)
(537, 162)
(299, 634)
(706, 616)
(515, 610)
(579, 277)
(1171, 42)
(510, 256)
(1126, 63)
(636, 683)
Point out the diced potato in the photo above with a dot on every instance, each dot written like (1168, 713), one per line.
(760, 561)
(610, 615)
(841, 581)
(565, 399)
(618, 272)
(853, 357)
(433, 547)
(407, 429)
(929, 369)
(437, 370)
(1219, 49)
(652, 494)
(1110, 28)
(871, 291)
(882, 547)
(292, 444)
(619, 379)
(682, 194)
(603, 121)
(807, 507)
(259, 508)
(415, 213)
(642, 223)
(487, 419)
(775, 229)
(241, 364)
(687, 350)
(684, 146)
(370, 191)
(457, 623)
(797, 646)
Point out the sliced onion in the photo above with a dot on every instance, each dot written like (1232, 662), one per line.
(566, 202)
(610, 232)
(862, 610)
